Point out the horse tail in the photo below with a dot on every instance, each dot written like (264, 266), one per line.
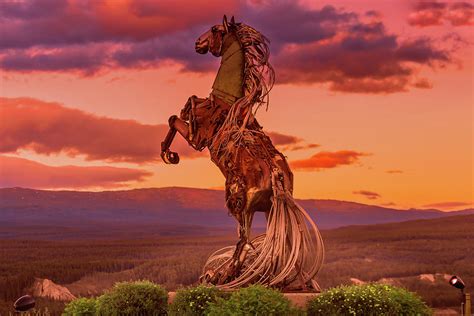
(288, 256)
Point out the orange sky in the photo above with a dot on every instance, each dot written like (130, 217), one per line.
(411, 147)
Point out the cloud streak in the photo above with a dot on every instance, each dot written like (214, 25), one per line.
(20, 172)
(327, 160)
(394, 171)
(451, 204)
(368, 194)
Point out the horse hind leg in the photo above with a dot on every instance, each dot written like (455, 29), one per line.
(257, 200)
(236, 202)
(242, 204)
(239, 207)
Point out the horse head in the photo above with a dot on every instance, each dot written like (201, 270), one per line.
(212, 40)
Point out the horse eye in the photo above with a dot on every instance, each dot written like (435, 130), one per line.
(214, 29)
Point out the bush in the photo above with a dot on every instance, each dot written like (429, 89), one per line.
(81, 306)
(253, 300)
(194, 300)
(368, 299)
(133, 298)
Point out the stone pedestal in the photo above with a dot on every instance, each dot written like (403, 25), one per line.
(300, 299)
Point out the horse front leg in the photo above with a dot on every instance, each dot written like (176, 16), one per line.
(179, 125)
(186, 125)
(176, 125)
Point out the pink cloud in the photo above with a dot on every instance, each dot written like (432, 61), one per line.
(431, 13)
(51, 128)
(20, 172)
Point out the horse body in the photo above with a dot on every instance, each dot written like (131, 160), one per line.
(258, 178)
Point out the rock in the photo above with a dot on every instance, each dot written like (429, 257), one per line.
(357, 281)
(427, 277)
(390, 281)
(49, 289)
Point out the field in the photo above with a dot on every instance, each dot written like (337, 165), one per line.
(416, 254)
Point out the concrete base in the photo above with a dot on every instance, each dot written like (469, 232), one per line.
(298, 299)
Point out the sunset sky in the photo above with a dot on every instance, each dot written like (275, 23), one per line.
(372, 103)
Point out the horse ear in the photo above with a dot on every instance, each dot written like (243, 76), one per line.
(232, 21)
(225, 24)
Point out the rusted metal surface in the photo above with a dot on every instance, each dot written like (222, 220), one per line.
(258, 178)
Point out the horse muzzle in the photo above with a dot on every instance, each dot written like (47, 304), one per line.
(202, 48)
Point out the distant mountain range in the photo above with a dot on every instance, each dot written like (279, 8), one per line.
(175, 206)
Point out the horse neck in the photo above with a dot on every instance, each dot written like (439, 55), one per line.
(228, 84)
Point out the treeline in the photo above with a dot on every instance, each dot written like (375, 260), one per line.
(165, 260)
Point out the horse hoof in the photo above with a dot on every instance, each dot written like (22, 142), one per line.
(208, 277)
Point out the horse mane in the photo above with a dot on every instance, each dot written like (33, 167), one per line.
(259, 75)
(259, 78)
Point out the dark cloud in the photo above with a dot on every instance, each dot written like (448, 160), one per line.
(24, 24)
(373, 14)
(309, 46)
(288, 22)
(430, 13)
(421, 51)
(33, 9)
(301, 146)
(368, 194)
(378, 62)
(279, 139)
(460, 14)
(87, 60)
(289, 142)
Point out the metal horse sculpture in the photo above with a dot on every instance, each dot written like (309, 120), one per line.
(258, 178)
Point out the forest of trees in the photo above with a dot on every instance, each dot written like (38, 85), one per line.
(400, 252)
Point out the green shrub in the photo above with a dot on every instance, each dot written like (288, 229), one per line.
(81, 307)
(133, 298)
(194, 300)
(253, 300)
(368, 299)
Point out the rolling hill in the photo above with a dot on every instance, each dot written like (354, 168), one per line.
(174, 207)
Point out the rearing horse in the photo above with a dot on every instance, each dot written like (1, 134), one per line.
(258, 178)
